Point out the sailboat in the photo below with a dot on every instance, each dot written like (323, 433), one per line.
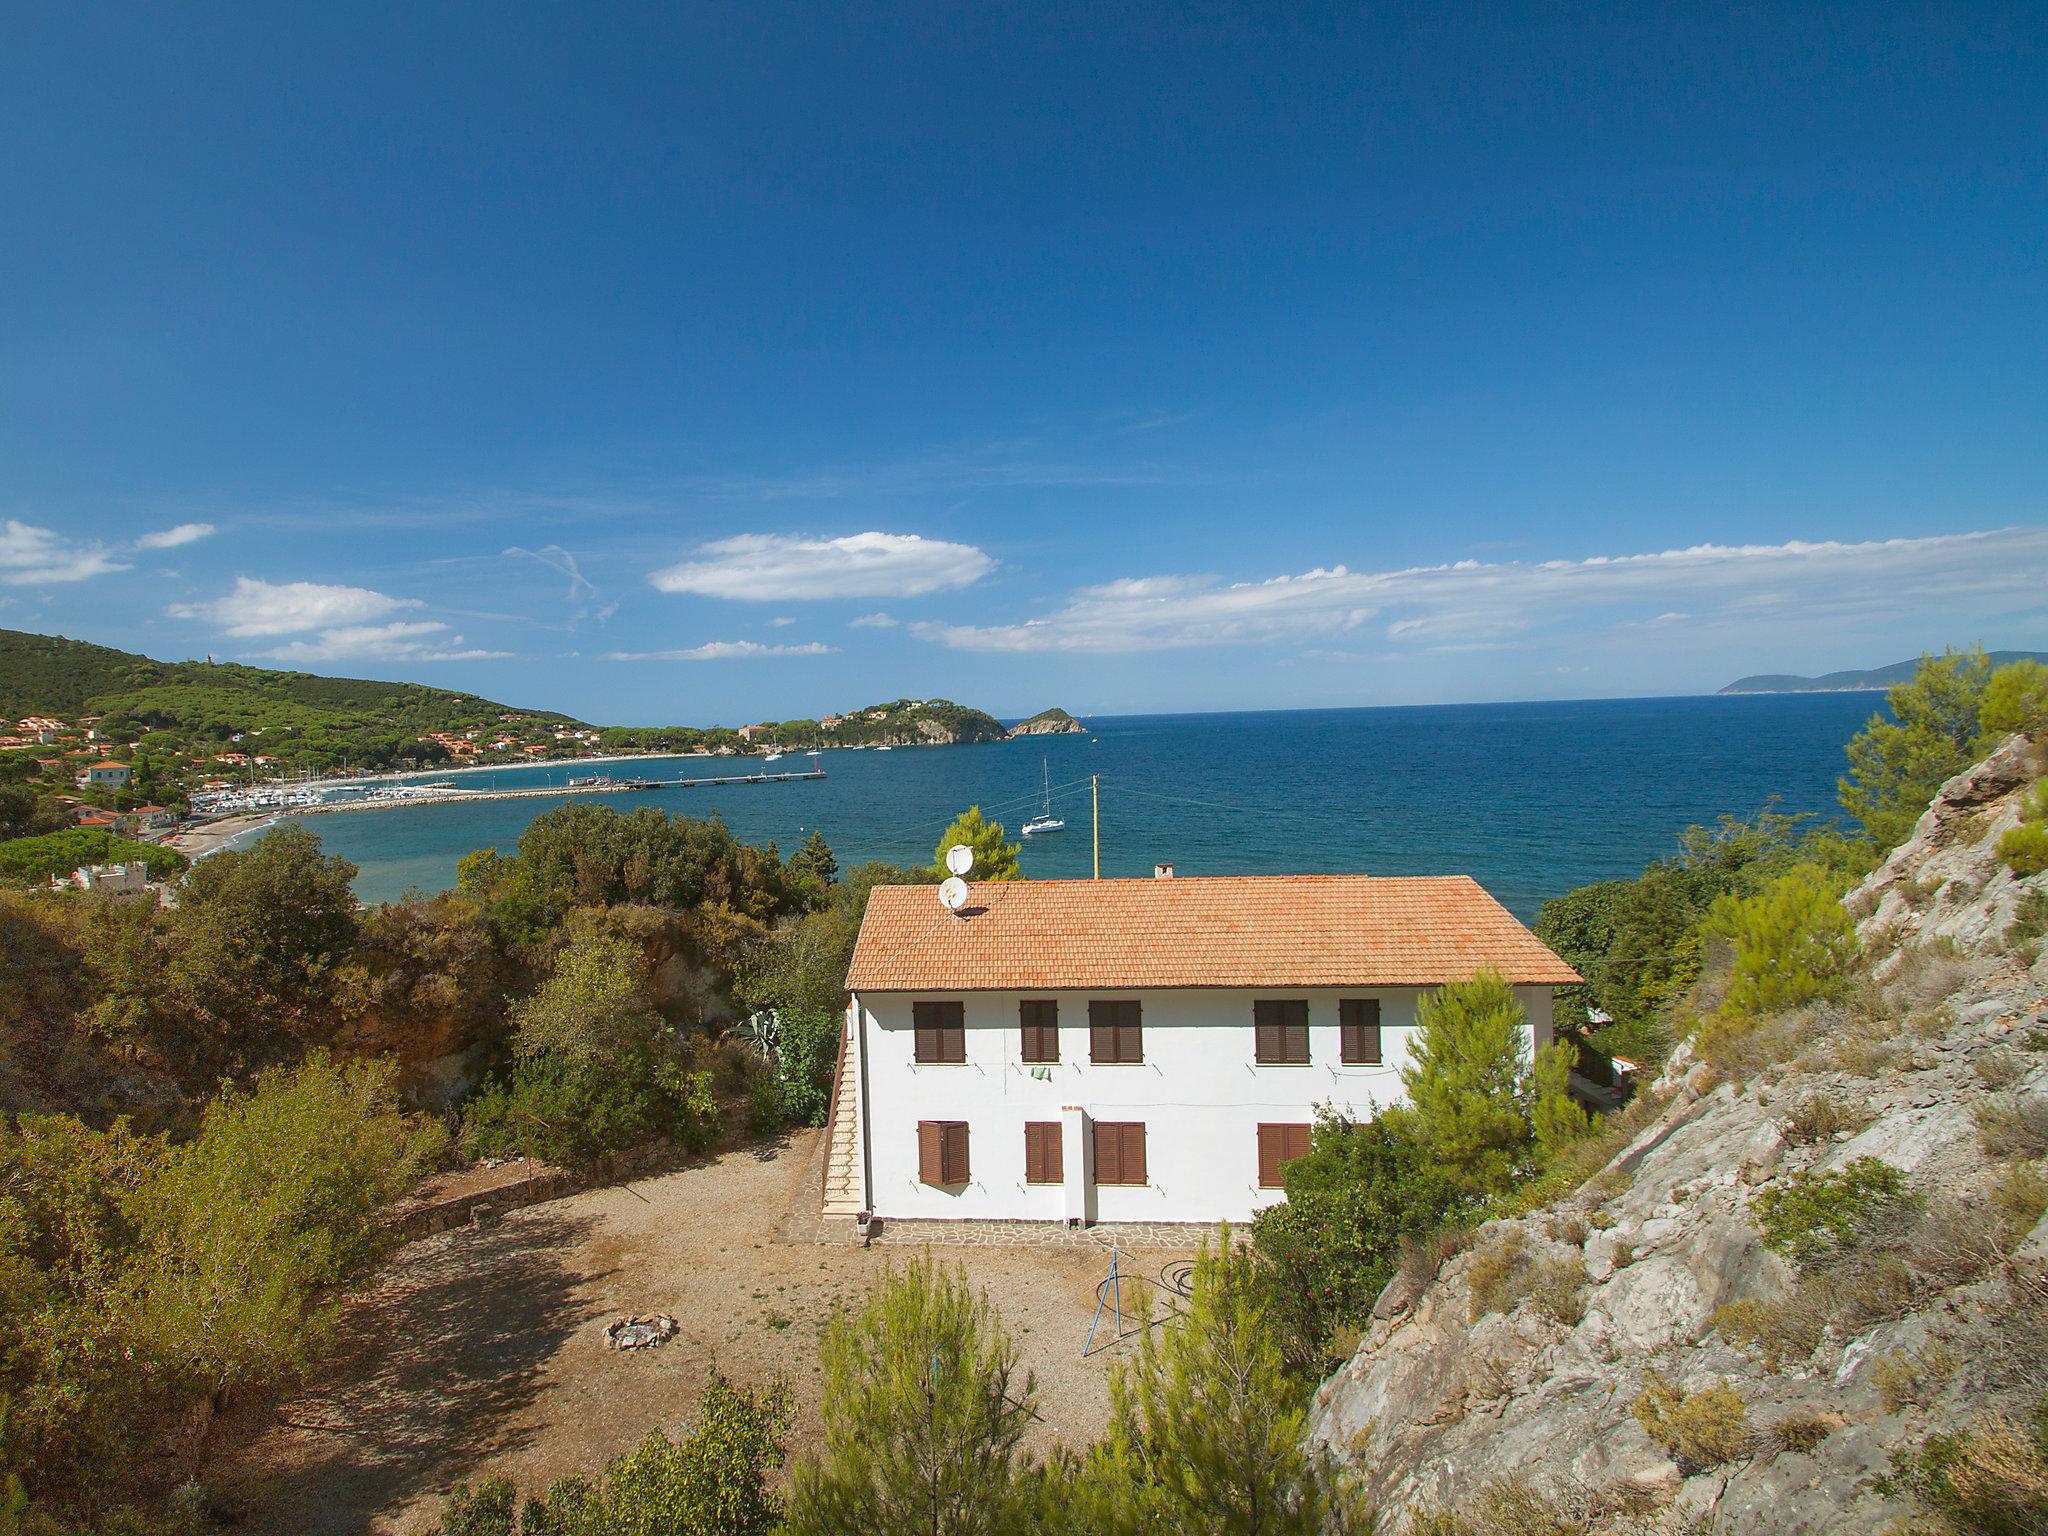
(1045, 821)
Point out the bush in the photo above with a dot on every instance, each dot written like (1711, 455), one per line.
(1896, 765)
(577, 1113)
(1699, 1429)
(1822, 1116)
(714, 1482)
(1804, 1428)
(2016, 699)
(2025, 848)
(593, 1007)
(1792, 943)
(2013, 1125)
(807, 1055)
(1988, 1480)
(1811, 1213)
(1362, 1193)
(1505, 1274)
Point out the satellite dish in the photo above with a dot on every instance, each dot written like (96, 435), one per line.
(960, 858)
(953, 894)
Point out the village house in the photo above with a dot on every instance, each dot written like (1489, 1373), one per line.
(105, 775)
(1140, 1050)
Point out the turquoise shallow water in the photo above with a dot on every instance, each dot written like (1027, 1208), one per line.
(1530, 798)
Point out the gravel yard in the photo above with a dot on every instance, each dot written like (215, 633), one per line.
(481, 1349)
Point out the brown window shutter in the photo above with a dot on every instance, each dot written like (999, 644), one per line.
(931, 1153)
(1102, 1032)
(1280, 1145)
(1042, 1152)
(1134, 1154)
(955, 1032)
(1108, 1154)
(1263, 1048)
(1269, 1157)
(1359, 1027)
(1130, 1034)
(955, 1152)
(1294, 1033)
(941, 1030)
(1040, 1024)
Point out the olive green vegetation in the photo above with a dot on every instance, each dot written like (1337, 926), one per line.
(210, 1234)
(36, 859)
(994, 859)
(712, 1482)
(142, 1280)
(925, 1405)
(2024, 848)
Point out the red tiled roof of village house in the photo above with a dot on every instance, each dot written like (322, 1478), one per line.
(1293, 931)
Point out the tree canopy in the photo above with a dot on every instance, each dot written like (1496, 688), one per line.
(994, 859)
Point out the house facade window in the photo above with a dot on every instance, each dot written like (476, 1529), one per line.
(1115, 1033)
(1039, 1019)
(1044, 1162)
(1280, 1032)
(1280, 1145)
(940, 1030)
(942, 1152)
(1119, 1152)
(1358, 1031)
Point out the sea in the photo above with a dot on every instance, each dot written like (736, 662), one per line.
(1530, 799)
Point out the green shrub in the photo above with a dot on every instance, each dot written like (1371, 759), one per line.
(576, 1113)
(2016, 699)
(1699, 1429)
(1896, 765)
(1988, 1480)
(807, 1055)
(1792, 942)
(713, 1482)
(1810, 1213)
(1364, 1191)
(2024, 849)
(1804, 1428)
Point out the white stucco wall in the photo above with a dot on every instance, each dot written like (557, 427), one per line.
(1198, 1091)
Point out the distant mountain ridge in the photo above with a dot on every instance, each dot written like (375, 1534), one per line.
(1873, 680)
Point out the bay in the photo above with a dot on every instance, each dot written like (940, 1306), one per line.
(1531, 799)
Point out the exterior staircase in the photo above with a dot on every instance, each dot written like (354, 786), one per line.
(842, 1133)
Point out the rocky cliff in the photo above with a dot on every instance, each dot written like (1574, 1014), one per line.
(1050, 722)
(1635, 1358)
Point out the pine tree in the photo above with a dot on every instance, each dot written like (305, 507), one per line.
(1896, 765)
(1464, 1078)
(815, 861)
(923, 1411)
(1206, 1427)
(994, 859)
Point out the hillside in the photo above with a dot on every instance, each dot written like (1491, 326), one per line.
(47, 674)
(1822, 1252)
(1873, 680)
(1048, 722)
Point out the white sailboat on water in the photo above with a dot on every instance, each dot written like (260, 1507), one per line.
(1045, 821)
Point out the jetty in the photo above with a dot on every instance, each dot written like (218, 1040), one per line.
(437, 796)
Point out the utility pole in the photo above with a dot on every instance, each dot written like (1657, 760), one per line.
(1095, 800)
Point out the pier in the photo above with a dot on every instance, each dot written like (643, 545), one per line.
(556, 791)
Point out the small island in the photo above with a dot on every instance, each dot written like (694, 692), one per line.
(1048, 722)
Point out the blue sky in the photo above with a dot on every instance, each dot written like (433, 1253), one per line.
(710, 363)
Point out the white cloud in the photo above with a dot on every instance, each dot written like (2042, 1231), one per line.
(781, 623)
(171, 538)
(724, 650)
(778, 567)
(414, 640)
(871, 621)
(1473, 604)
(284, 608)
(32, 556)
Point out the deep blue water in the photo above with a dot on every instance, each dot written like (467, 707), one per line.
(1530, 798)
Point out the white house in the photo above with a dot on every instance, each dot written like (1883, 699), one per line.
(1141, 1050)
(107, 775)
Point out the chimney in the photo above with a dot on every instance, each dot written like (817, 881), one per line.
(1162, 871)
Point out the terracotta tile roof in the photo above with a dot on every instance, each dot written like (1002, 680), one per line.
(1294, 931)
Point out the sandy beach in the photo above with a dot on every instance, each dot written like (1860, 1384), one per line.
(197, 842)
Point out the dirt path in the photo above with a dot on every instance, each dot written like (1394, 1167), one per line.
(480, 1350)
